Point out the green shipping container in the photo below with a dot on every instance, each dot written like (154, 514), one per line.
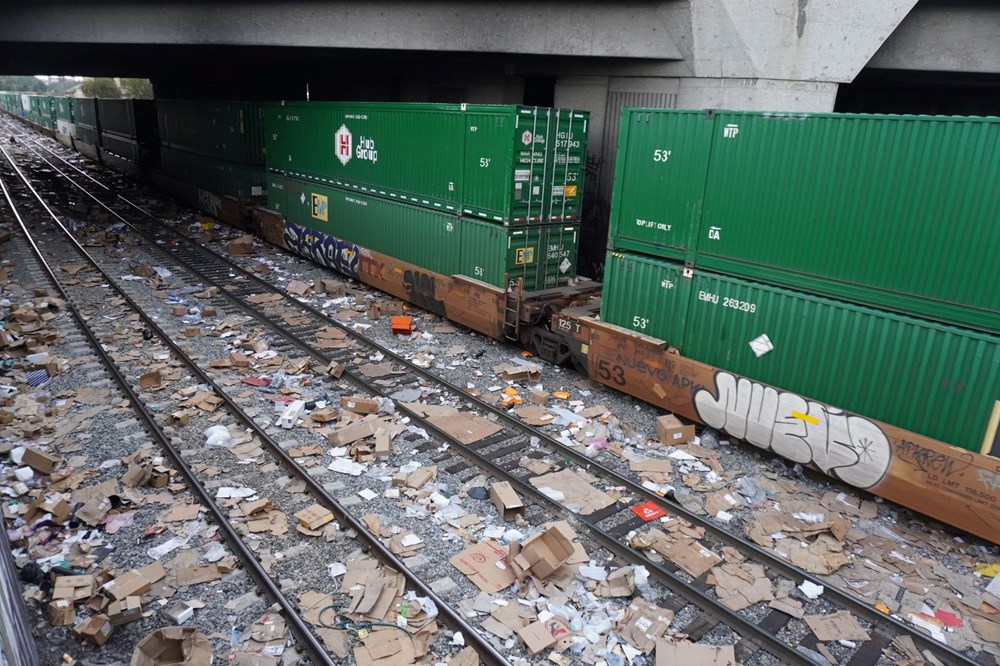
(243, 181)
(930, 378)
(42, 112)
(85, 112)
(506, 164)
(416, 235)
(87, 135)
(222, 130)
(277, 194)
(892, 211)
(63, 108)
(543, 256)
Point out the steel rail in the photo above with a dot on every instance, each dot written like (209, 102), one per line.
(484, 648)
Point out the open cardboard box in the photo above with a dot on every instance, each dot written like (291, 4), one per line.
(542, 553)
(173, 646)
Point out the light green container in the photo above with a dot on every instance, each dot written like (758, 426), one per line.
(63, 108)
(506, 164)
(542, 256)
(930, 378)
(892, 211)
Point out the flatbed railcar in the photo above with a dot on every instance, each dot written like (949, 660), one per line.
(957, 486)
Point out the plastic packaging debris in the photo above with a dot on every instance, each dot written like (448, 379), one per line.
(218, 435)
(751, 491)
(811, 590)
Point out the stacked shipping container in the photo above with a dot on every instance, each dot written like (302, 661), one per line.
(505, 181)
(127, 128)
(215, 145)
(718, 217)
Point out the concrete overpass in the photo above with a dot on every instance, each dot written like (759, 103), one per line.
(818, 55)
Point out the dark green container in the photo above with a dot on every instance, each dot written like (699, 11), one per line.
(242, 181)
(277, 193)
(504, 164)
(892, 211)
(933, 379)
(222, 130)
(85, 112)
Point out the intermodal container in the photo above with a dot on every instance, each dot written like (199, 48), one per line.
(937, 380)
(123, 147)
(130, 118)
(222, 130)
(41, 111)
(85, 112)
(542, 256)
(420, 236)
(504, 164)
(243, 181)
(63, 109)
(898, 212)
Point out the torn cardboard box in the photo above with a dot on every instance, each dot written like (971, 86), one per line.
(173, 646)
(508, 504)
(542, 553)
(485, 565)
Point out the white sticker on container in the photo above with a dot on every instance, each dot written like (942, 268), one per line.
(558, 190)
(522, 174)
(565, 265)
(761, 345)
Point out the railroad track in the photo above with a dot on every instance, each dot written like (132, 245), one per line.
(501, 453)
(309, 642)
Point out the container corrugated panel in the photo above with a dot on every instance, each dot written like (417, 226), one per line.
(659, 188)
(413, 234)
(87, 135)
(131, 118)
(121, 146)
(220, 129)
(277, 193)
(493, 162)
(85, 112)
(930, 378)
(63, 108)
(243, 181)
(898, 211)
(543, 256)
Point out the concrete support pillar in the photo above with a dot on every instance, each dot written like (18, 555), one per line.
(756, 94)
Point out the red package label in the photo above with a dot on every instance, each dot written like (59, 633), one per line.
(649, 511)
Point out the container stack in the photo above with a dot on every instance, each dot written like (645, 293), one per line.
(217, 145)
(65, 129)
(487, 191)
(87, 139)
(127, 129)
(848, 258)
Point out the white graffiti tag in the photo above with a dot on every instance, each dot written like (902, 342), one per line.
(848, 447)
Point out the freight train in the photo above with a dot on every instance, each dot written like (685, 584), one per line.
(821, 286)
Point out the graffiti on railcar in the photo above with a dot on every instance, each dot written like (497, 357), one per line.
(843, 445)
(209, 202)
(322, 248)
(421, 290)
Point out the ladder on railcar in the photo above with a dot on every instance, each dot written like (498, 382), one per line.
(512, 309)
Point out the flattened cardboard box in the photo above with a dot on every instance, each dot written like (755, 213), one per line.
(125, 610)
(484, 565)
(508, 504)
(669, 653)
(129, 584)
(539, 635)
(671, 431)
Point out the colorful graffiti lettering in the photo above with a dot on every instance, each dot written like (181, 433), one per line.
(842, 445)
(326, 250)
(421, 291)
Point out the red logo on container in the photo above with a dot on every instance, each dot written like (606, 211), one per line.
(526, 138)
(342, 141)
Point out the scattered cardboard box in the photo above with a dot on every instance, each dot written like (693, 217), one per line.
(241, 246)
(173, 646)
(466, 428)
(836, 626)
(192, 331)
(484, 564)
(39, 460)
(538, 636)
(508, 504)
(179, 310)
(95, 630)
(643, 624)
(129, 584)
(123, 611)
(359, 405)
(683, 653)
(542, 553)
(671, 431)
(61, 612)
(298, 287)
(313, 517)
